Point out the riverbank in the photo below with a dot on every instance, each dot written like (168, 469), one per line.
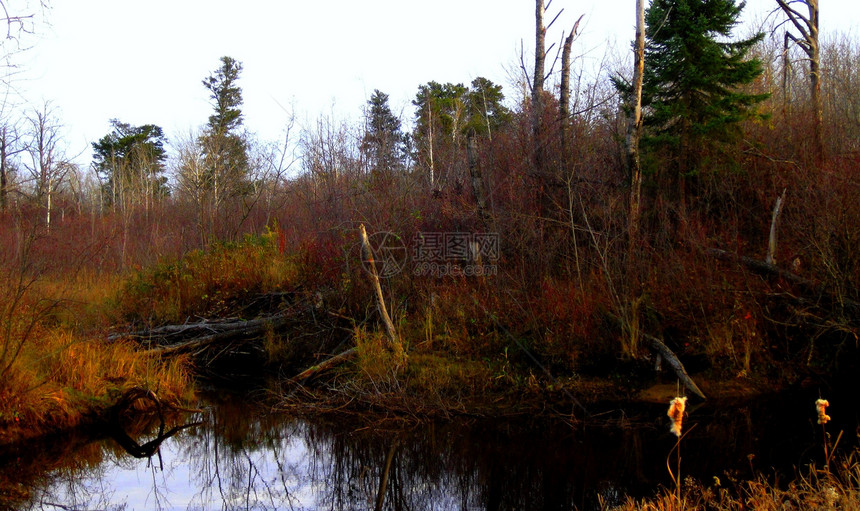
(462, 346)
(59, 371)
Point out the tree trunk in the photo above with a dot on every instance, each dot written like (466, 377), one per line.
(634, 127)
(477, 179)
(668, 355)
(815, 84)
(367, 253)
(537, 85)
(3, 168)
(808, 28)
(771, 240)
(564, 103)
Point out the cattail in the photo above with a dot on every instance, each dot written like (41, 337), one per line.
(676, 413)
(821, 407)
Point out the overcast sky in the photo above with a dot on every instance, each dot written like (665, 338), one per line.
(144, 62)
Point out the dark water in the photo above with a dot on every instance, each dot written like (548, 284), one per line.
(243, 457)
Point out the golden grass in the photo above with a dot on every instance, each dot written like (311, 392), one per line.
(815, 490)
(65, 370)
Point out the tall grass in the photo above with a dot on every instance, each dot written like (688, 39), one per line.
(57, 368)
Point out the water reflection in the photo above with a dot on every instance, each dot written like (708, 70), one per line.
(246, 458)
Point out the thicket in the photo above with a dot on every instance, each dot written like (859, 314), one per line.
(567, 292)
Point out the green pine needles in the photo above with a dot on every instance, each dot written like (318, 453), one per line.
(694, 73)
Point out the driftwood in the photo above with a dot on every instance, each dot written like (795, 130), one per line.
(130, 445)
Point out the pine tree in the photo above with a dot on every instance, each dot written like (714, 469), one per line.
(383, 143)
(130, 160)
(223, 145)
(693, 77)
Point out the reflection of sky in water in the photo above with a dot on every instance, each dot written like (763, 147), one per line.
(186, 483)
(241, 458)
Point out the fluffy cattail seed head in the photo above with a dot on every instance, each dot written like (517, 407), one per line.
(821, 407)
(676, 413)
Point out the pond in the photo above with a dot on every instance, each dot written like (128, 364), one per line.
(245, 457)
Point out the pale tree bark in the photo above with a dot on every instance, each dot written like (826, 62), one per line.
(47, 165)
(538, 79)
(807, 25)
(564, 106)
(368, 258)
(634, 127)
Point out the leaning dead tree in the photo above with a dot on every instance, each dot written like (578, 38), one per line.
(807, 26)
(369, 260)
(367, 256)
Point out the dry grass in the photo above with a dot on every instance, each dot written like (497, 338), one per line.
(815, 490)
(59, 369)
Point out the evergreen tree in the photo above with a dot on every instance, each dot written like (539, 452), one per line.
(444, 113)
(130, 162)
(384, 143)
(486, 110)
(693, 76)
(223, 145)
(441, 105)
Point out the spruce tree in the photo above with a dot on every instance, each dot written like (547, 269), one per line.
(694, 74)
(383, 143)
(222, 143)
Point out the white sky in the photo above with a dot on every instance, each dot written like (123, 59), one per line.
(144, 62)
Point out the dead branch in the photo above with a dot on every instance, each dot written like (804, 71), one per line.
(325, 365)
(367, 254)
(233, 331)
(204, 327)
(765, 268)
(664, 351)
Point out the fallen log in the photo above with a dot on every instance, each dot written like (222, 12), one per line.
(766, 268)
(251, 328)
(186, 329)
(665, 352)
(325, 365)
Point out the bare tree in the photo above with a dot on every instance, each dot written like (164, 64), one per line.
(9, 147)
(807, 25)
(45, 159)
(564, 106)
(634, 126)
(539, 77)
